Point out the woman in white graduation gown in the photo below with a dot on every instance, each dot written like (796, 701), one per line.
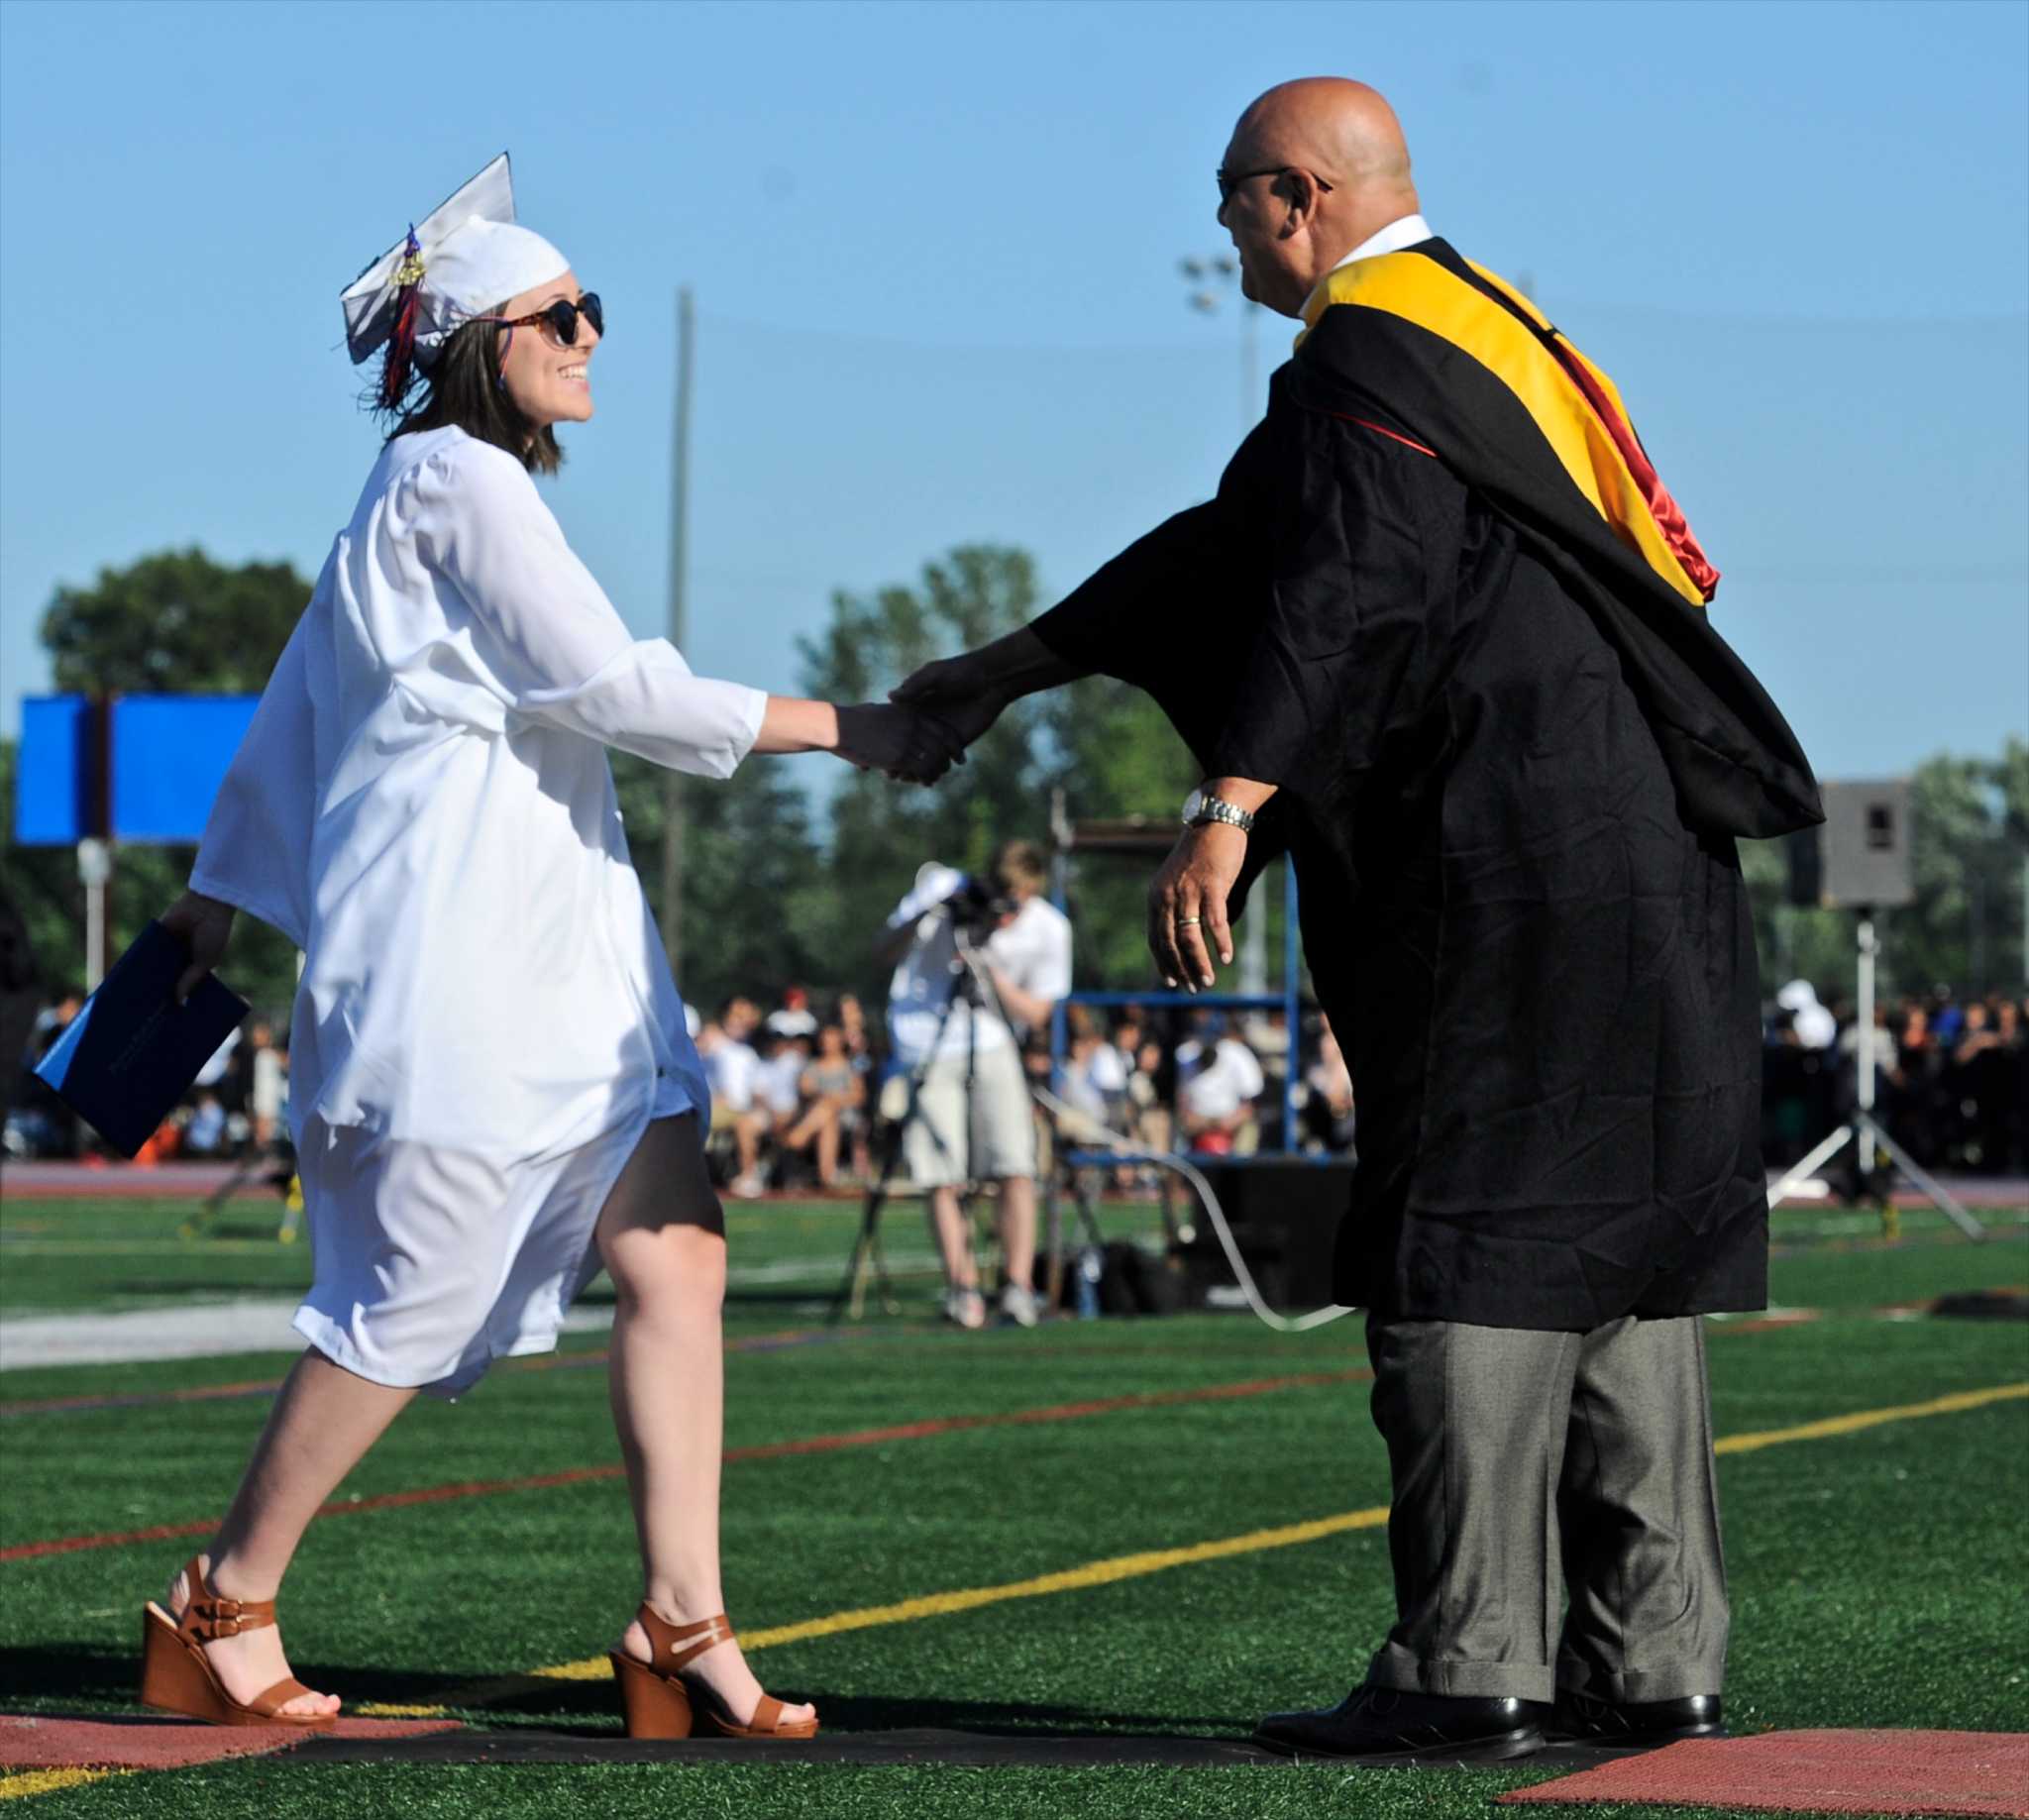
(493, 1090)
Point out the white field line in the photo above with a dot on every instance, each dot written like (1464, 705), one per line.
(196, 1329)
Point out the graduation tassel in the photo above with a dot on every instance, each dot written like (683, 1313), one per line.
(402, 343)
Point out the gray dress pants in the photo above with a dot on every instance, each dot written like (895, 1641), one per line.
(1527, 1465)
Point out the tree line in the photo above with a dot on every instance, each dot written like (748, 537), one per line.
(777, 890)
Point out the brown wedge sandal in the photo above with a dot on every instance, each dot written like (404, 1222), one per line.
(661, 1702)
(176, 1676)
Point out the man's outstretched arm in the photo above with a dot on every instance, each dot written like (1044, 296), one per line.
(1122, 621)
(965, 694)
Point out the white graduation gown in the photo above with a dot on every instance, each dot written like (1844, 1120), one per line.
(423, 804)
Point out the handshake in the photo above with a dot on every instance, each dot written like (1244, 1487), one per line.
(925, 724)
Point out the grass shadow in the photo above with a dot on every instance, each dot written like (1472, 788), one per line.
(565, 1702)
(89, 1680)
(60, 1673)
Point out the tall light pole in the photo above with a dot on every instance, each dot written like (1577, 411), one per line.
(1210, 280)
(679, 536)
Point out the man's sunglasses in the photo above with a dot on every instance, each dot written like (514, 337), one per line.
(1231, 180)
(559, 319)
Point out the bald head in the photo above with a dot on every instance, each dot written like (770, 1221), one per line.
(1339, 170)
(1343, 129)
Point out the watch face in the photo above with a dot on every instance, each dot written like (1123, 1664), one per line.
(1192, 804)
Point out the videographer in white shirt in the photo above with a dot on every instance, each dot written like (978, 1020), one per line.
(974, 1122)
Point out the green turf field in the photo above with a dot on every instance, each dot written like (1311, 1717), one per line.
(1878, 1571)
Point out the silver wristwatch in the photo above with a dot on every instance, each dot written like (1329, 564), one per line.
(1199, 809)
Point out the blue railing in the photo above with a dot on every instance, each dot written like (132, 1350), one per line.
(1289, 1001)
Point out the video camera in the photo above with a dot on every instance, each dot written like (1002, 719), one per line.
(977, 905)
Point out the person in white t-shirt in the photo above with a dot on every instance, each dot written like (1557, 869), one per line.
(1218, 1079)
(267, 1089)
(778, 1084)
(974, 1122)
(730, 1069)
(1095, 1072)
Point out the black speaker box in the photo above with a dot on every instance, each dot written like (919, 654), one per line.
(1284, 1211)
(1860, 858)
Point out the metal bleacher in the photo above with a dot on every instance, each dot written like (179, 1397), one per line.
(1148, 839)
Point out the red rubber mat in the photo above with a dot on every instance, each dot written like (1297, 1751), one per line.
(57, 1742)
(1834, 1772)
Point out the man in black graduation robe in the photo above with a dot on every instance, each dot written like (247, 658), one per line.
(1442, 634)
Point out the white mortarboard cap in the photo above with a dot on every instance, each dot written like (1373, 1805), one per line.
(472, 258)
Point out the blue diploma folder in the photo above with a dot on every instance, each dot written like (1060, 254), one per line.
(133, 1051)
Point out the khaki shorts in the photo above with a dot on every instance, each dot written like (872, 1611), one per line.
(1003, 1123)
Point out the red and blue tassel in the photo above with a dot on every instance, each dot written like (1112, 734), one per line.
(402, 343)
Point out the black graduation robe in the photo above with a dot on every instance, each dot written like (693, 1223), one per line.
(1444, 603)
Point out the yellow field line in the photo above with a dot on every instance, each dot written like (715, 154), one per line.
(47, 1782)
(1069, 1579)
(1952, 1405)
(1158, 1560)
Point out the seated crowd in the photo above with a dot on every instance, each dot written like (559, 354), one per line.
(797, 1097)
(1950, 1076)
(787, 1089)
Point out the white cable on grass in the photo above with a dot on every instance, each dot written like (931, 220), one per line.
(1282, 1324)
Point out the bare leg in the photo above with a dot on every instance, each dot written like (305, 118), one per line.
(322, 1423)
(819, 1127)
(828, 1147)
(1018, 1229)
(747, 1138)
(661, 1235)
(953, 1240)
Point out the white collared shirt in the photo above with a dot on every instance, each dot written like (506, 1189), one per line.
(1390, 239)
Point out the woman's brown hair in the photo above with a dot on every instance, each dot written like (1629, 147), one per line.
(462, 388)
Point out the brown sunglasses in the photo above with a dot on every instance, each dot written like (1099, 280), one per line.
(560, 319)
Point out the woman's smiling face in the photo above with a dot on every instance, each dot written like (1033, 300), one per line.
(549, 381)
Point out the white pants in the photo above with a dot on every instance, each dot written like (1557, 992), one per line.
(1001, 1127)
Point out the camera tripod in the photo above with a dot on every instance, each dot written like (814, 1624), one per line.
(1864, 1128)
(973, 988)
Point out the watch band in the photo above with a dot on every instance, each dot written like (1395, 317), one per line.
(1199, 809)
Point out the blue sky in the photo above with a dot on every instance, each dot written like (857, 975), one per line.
(936, 255)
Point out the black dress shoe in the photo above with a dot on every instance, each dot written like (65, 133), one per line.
(1581, 1718)
(1383, 1725)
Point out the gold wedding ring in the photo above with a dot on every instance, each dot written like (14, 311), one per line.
(1187, 923)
